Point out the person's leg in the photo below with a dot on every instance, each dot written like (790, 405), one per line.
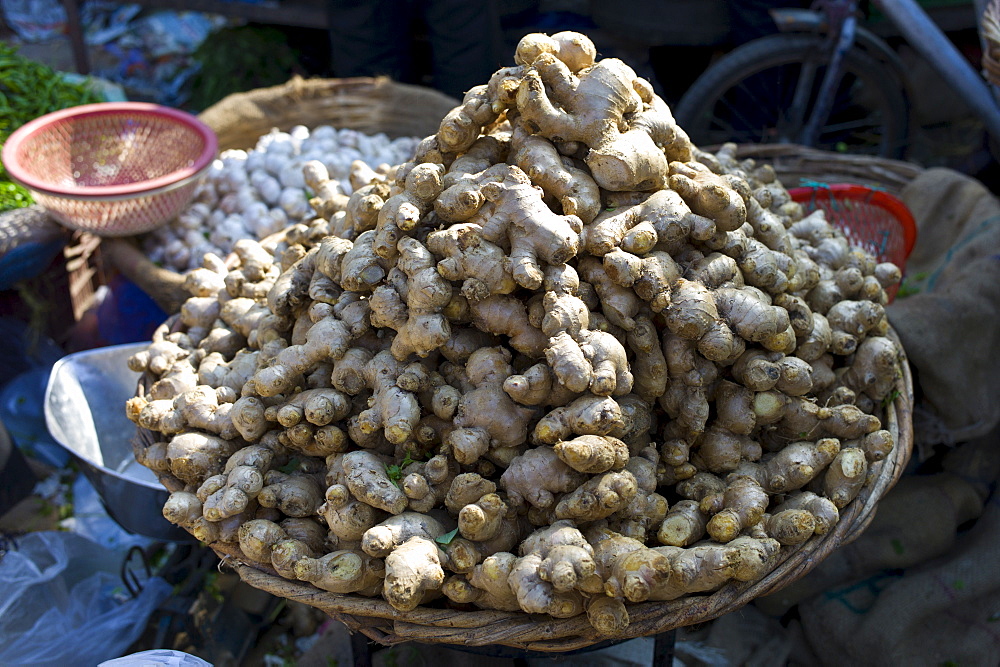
(465, 41)
(371, 38)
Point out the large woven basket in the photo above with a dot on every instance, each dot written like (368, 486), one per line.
(364, 104)
(378, 620)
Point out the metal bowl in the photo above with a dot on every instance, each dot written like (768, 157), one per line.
(85, 413)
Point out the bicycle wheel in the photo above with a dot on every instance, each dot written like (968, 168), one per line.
(746, 97)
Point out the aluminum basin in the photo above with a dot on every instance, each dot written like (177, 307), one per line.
(85, 413)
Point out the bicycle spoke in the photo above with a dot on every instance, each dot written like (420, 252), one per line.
(737, 110)
(850, 123)
(755, 108)
(849, 126)
(780, 107)
(801, 97)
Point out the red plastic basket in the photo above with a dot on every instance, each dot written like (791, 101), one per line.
(872, 219)
(114, 168)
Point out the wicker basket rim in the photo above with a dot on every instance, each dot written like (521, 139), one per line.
(815, 165)
(371, 616)
(367, 104)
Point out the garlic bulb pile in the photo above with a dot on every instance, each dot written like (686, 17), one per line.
(255, 193)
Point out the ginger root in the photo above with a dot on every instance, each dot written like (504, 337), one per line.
(683, 525)
(593, 453)
(412, 571)
(342, 572)
(487, 586)
(536, 476)
(599, 497)
(487, 419)
(379, 541)
(703, 568)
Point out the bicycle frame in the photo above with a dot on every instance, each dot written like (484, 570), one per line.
(924, 36)
(810, 20)
(838, 20)
(842, 37)
(915, 26)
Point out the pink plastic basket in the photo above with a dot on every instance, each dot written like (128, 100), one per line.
(113, 169)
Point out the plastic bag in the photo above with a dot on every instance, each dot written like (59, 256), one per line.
(159, 657)
(27, 360)
(91, 520)
(106, 21)
(22, 402)
(127, 314)
(35, 20)
(168, 33)
(64, 602)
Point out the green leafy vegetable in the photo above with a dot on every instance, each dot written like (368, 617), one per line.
(241, 58)
(395, 473)
(29, 89)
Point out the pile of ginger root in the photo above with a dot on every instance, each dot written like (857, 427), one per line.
(560, 362)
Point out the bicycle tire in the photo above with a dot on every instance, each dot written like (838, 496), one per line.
(710, 104)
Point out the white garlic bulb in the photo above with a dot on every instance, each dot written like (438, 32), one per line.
(258, 192)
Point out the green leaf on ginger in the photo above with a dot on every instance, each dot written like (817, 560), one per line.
(447, 537)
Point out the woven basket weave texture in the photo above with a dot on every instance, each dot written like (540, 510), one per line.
(364, 104)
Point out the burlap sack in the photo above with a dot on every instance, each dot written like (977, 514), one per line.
(951, 327)
(931, 590)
